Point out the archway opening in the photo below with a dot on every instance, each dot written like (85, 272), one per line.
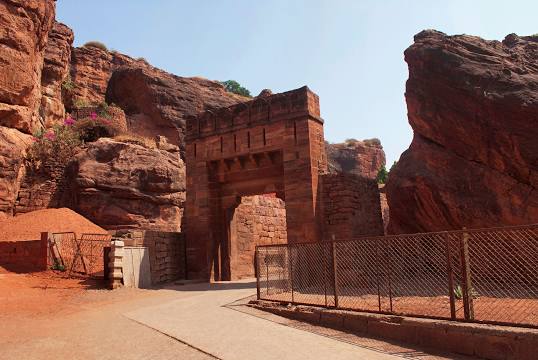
(256, 220)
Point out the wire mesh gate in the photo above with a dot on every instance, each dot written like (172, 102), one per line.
(83, 256)
(485, 275)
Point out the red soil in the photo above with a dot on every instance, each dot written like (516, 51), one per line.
(30, 225)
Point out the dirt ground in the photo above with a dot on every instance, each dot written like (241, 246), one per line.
(46, 316)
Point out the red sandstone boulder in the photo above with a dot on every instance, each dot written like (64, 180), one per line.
(55, 71)
(24, 27)
(157, 103)
(13, 146)
(473, 162)
(364, 158)
(91, 69)
(120, 185)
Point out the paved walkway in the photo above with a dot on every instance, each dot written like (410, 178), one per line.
(202, 321)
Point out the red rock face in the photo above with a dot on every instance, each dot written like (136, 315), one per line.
(24, 28)
(13, 146)
(91, 69)
(55, 70)
(363, 158)
(473, 162)
(157, 103)
(120, 186)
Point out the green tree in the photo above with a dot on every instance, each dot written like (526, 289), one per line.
(382, 175)
(236, 88)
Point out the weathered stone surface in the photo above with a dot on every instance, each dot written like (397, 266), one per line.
(55, 70)
(257, 220)
(363, 158)
(119, 185)
(157, 103)
(473, 162)
(24, 28)
(13, 146)
(91, 69)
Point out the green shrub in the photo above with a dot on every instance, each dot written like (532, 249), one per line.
(351, 142)
(382, 175)
(458, 292)
(55, 146)
(96, 44)
(233, 86)
(68, 84)
(81, 103)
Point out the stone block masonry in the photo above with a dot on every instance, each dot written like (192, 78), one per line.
(272, 144)
(166, 252)
(257, 220)
(351, 206)
(21, 255)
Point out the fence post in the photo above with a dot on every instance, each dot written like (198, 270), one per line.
(290, 260)
(323, 247)
(257, 271)
(45, 249)
(335, 276)
(450, 278)
(266, 272)
(467, 288)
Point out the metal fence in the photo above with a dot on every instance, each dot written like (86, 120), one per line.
(485, 275)
(84, 255)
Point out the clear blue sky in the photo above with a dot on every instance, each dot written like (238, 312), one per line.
(349, 52)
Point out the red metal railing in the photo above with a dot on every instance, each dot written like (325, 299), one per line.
(484, 275)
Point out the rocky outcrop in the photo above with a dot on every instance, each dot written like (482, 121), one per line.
(91, 69)
(24, 28)
(13, 146)
(157, 103)
(473, 161)
(55, 70)
(121, 185)
(364, 158)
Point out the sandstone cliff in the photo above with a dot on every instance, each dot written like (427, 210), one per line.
(13, 146)
(157, 103)
(24, 28)
(364, 158)
(91, 69)
(55, 71)
(120, 185)
(473, 161)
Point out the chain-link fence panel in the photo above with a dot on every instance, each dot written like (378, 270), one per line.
(486, 275)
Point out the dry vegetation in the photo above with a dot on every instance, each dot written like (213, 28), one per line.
(130, 138)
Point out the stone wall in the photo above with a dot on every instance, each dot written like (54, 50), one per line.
(21, 255)
(350, 207)
(41, 190)
(166, 252)
(257, 220)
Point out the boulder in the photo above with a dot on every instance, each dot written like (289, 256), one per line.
(364, 158)
(24, 28)
(120, 185)
(473, 161)
(13, 145)
(157, 103)
(55, 72)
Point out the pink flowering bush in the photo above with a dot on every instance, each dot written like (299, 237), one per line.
(55, 146)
